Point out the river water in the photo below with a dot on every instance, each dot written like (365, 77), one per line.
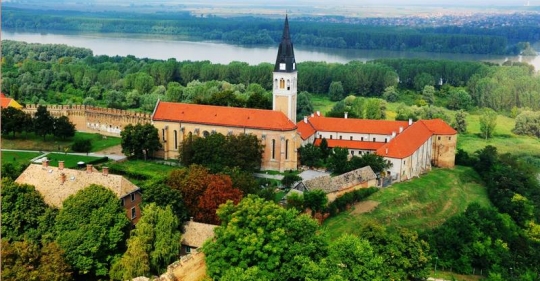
(165, 47)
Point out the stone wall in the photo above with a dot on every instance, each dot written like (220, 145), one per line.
(444, 150)
(189, 268)
(105, 121)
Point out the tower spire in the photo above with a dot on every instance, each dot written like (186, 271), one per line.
(285, 61)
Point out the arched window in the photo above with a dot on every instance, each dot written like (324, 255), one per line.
(286, 149)
(282, 83)
(275, 84)
(288, 84)
(273, 149)
(206, 134)
(175, 139)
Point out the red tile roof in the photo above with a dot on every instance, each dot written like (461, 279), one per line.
(439, 127)
(305, 130)
(406, 143)
(223, 116)
(4, 100)
(351, 125)
(361, 145)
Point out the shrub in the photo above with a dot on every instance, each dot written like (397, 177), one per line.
(83, 145)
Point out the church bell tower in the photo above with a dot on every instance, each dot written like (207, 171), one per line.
(285, 77)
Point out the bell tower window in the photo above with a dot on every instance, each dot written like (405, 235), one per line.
(288, 84)
(282, 83)
(282, 66)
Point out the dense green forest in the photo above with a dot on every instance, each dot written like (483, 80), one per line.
(58, 74)
(262, 31)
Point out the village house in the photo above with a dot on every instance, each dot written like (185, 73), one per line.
(194, 236)
(6, 102)
(56, 184)
(335, 187)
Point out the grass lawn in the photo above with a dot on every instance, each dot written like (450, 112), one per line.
(70, 161)
(504, 139)
(322, 103)
(418, 204)
(18, 158)
(149, 168)
(33, 142)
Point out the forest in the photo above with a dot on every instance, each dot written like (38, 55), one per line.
(251, 30)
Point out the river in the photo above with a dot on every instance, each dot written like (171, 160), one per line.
(165, 47)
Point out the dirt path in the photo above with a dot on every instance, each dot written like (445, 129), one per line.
(115, 150)
(364, 207)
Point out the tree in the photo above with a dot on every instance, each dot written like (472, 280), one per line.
(337, 162)
(352, 258)
(459, 99)
(377, 163)
(158, 192)
(405, 256)
(63, 128)
(304, 106)
(12, 118)
(390, 94)
(82, 145)
(527, 123)
(140, 141)
(259, 233)
(316, 200)
(325, 150)
(43, 122)
(191, 182)
(91, 228)
(289, 179)
(428, 94)
(460, 121)
(218, 191)
(23, 212)
(24, 260)
(488, 122)
(310, 155)
(375, 109)
(335, 91)
(153, 245)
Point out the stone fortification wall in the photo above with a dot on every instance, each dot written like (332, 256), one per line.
(106, 121)
(189, 268)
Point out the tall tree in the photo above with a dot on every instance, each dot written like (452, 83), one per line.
(218, 191)
(63, 128)
(273, 239)
(335, 91)
(191, 182)
(12, 120)
(23, 212)
(310, 155)
(43, 122)
(460, 121)
(153, 245)
(488, 122)
(140, 141)
(91, 228)
(338, 160)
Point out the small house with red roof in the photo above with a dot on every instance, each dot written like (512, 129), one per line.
(6, 102)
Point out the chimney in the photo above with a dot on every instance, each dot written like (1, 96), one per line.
(190, 218)
(63, 178)
(401, 128)
(410, 121)
(312, 115)
(60, 165)
(45, 163)
(88, 168)
(387, 151)
(346, 114)
(318, 113)
(393, 134)
(105, 171)
(305, 119)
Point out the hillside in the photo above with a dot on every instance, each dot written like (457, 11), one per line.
(418, 204)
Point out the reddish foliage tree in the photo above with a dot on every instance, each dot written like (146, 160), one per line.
(219, 190)
(192, 183)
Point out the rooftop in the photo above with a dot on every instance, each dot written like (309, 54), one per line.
(351, 144)
(223, 116)
(406, 143)
(439, 127)
(196, 233)
(353, 125)
(57, 184)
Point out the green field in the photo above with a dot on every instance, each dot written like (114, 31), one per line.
(149, 169)
(18, 158)
(70, 161)
(32, 142)
(418, 204)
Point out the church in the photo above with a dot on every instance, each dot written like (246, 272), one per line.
(411, 147)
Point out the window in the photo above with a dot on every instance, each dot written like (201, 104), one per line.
(340, 137)
(187, 249)
(385, 140)
(273, 149)
(206, 134)
(439, 138)
(449, 138)
(404, 161)
(132, 197)
(175, 139)
(286, 149)
(123, 202)
(133, 213)
(351, 137)
(373, 139)
(281, 83)
(275, 84)
(320, 136)
(163, 133)
(352, 152)
(362, 138)
(331, 136)
(288, 84)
